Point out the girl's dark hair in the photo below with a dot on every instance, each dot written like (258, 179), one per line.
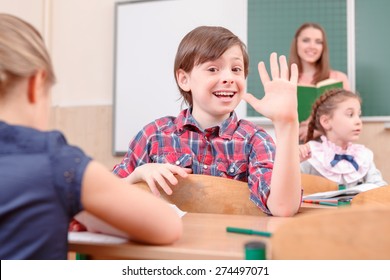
(325, 105)
(205, 43)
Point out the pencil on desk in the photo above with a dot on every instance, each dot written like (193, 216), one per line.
(248, 231)
(327, 203)
(340, 202)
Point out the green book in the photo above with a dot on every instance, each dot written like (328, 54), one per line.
(308, 94)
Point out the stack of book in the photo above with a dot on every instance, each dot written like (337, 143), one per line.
(339, 197)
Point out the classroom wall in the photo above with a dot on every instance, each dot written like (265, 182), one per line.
(80, 38)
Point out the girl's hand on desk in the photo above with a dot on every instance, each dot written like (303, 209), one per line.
(158, 174)
(304, 152)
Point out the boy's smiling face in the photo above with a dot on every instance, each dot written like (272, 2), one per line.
(216, 86)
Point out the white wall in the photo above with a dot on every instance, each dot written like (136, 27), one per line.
(79, 35)
(29, 10)
(82, 51)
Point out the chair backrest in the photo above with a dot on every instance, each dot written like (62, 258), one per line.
(377, 196)
(210, 194)
(313, 184)
(343, 233)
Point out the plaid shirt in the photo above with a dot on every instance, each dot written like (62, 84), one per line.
(236, 149)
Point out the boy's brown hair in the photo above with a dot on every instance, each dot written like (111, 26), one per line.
(205, 43)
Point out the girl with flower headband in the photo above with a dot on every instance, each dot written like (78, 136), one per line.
(334, 155)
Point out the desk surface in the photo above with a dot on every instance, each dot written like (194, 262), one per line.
(204, 237)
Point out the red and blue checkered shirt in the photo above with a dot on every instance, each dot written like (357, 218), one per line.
(237, 149)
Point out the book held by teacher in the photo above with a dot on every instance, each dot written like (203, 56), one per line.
(308, 94)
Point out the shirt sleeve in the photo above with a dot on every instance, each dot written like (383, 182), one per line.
(69, 164)
(261, 162)
(374, 176)
(137, 153)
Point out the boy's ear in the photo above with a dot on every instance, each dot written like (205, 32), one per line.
(36, 84)
(183, 80)
(325, 122)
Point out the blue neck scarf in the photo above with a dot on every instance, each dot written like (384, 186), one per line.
(349, 158)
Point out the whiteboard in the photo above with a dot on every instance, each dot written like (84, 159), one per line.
(147, 34)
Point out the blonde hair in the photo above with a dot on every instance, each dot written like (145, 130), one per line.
(22, 53)
(205, 43)
(323, 64)
(325, 105)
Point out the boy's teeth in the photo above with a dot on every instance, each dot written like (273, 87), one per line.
(224, 93)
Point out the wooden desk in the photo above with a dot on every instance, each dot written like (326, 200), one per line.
(204, 237)
(378, 196)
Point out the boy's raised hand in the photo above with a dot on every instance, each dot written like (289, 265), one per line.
(280, 100)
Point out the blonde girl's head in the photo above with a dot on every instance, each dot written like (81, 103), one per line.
(326, 104)
(203, 44)
(22, 53)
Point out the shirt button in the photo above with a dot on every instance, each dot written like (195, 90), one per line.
(205, 166)
(231, 170)
(177, 162)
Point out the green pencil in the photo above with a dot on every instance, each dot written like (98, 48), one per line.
(248, 231)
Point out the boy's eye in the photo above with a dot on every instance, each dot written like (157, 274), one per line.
(236, 69)
(212, 69)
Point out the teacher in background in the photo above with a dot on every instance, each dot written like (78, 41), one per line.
(309, 50)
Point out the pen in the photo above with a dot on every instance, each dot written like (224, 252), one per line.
(248, 231)
(322, 202)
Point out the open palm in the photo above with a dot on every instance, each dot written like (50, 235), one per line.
(280, 100)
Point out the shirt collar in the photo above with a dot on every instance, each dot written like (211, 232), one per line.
(186, 121)
(323, 153)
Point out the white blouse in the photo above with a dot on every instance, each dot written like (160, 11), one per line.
(343, 172)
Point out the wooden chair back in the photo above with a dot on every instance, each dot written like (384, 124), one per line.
(378, 196)
(210, 194)
(313, 184)
(343, 233)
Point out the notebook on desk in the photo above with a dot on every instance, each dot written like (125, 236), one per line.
(339, 194)
(93, 237)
